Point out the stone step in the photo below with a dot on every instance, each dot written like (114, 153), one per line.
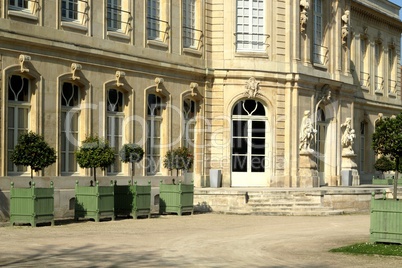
(299, 213)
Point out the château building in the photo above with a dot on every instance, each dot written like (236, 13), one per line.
(231, 80)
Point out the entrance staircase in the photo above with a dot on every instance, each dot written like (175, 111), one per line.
(292, 203)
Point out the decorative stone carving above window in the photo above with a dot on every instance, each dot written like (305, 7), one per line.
(304, 6)
(119, 76)
(159, 81)
(74, 68)
(22, 59)
(252, 87)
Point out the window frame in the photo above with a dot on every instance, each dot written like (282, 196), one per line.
(245, 25)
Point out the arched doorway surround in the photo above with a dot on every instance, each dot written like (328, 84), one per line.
(250, 144)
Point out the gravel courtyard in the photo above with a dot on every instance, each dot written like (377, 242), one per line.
(201, 240)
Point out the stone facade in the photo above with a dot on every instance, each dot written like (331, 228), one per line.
(236, 95)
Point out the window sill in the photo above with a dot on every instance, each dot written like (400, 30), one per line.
(74, 25)
(22, 14)
(320, 66)
(118, 35)
(252, 54)
(365, 88)
(379, 92)
(392, 94)
(157, 43)
(192, 51)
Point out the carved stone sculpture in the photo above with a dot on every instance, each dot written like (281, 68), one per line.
(304, 6)
(348, 136)
(252, 88)
(307, 132)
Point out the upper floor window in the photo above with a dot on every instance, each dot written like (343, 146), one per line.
(69, 9)
(19, 4)
(26, 9)
(189, 23)
(118, 16)
(364, 67)
(319, 50)
(378, 71)
(250, 26)
(392, 82)
(153, 19)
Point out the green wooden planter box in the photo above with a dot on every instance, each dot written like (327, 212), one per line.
(386, 181)
(94, 202)
(385, 220)
(176, 198)
(132, 200)
(31, 205)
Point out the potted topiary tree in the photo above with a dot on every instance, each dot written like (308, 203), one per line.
(177, 198)
(32, 205)
(386, 214)
(132, 199)
(94, 201)
(383, 164)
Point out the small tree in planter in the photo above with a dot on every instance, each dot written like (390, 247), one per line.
(387, 140)
(384, 164)
(179, 159)
(386, 214)
(33, 151)
(98, 201)
(177, 198)
(32, 205)
(95, 153)
(131, 153)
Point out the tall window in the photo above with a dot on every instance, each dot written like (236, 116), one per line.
(154, 121)
(319, 50)
(114, 14)
(70, 114)
(153, 19)
(377, 68)
(362, 145)
(391, 71)
(364, 70)
(18, 115)
(250, 26)
(189, 114)
(18, 4)
(69, 9)
(115, 117)
(189, 26)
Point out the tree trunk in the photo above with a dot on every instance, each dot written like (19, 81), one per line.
(95, 175)
(132, 172)
(396, 178)
(31, 174)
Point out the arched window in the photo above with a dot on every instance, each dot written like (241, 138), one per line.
(70, 114)
(154, 122)
(114, 125)
(18, 115)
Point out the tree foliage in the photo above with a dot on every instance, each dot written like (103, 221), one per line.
(387, 141)
(32, 150)
(387, 138)
(95, 152)
(179, 159)
(131, 152)
(384, 164)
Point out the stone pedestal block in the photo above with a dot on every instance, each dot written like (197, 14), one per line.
(308, 175)
(349, 167)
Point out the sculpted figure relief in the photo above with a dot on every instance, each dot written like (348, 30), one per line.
(307, 132)
(348, 136)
